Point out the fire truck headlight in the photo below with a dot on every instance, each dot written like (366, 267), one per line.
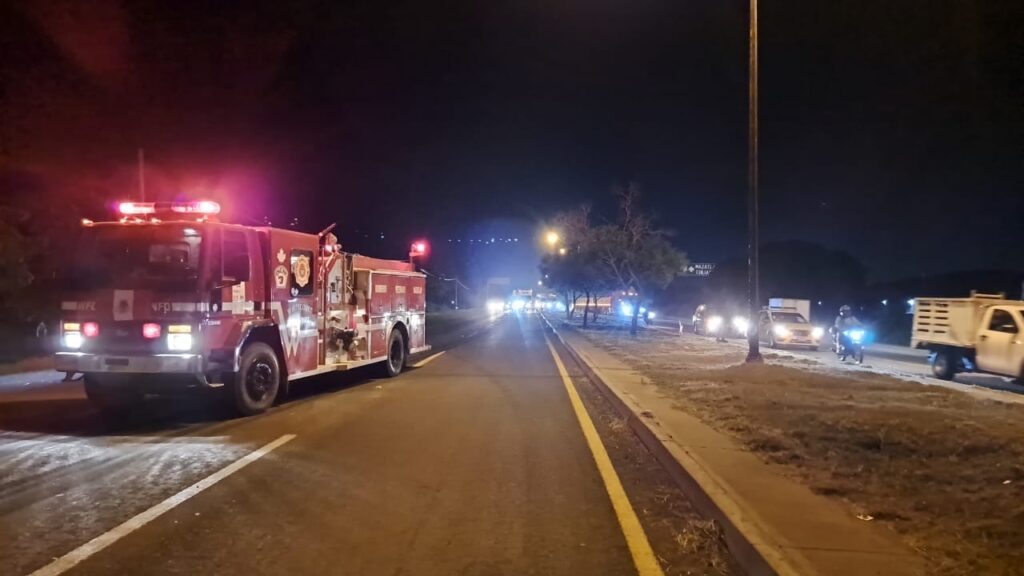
(73, 340)
(179, 342)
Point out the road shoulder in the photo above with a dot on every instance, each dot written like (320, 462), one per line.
(793, 530)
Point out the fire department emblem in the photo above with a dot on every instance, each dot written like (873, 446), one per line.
(281, 277)
(301, 270)
(281, 255)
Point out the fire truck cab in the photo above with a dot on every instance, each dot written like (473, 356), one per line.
(167, 299)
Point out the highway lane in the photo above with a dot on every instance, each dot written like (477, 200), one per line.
(472, 464)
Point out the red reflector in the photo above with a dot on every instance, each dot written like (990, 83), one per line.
(151, 331)
(91, 329)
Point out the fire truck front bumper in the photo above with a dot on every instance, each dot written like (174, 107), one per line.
(168, 364)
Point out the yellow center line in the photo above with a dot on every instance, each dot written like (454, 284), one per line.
(643, 556)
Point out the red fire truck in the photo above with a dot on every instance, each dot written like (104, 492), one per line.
(168, 298)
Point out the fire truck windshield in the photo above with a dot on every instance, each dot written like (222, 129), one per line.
(164, 257)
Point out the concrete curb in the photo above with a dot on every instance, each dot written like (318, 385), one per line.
(751, 557)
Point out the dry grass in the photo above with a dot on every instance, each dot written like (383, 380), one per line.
(941, 468)
(704, 538)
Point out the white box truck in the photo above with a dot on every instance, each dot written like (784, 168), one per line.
(803, 307)
(982, 333)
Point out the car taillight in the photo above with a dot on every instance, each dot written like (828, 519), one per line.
(151, 331)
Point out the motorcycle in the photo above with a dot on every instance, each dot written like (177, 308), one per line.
(849, 343)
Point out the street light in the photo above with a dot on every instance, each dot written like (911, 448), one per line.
(753, 345)
(552, 238)
(562, 251)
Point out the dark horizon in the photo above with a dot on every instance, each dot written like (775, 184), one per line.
(890, 132)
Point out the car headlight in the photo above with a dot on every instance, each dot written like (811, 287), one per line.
(817, 332)
(714, 323)
(626, 309)
(780, 331)
(651, 314)
(740, 324)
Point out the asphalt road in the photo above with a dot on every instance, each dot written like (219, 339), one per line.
(471, 464)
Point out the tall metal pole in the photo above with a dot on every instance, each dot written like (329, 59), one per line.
(753, 347)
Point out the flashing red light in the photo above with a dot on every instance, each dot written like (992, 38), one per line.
(136, 208)
(418, 248)
(151, 331)
(90, 329)
(208, 207)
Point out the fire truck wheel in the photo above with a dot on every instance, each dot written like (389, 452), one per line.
(396, 354)
(259, 377)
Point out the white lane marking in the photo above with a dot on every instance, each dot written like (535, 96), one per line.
(428, 360)
(71, 559)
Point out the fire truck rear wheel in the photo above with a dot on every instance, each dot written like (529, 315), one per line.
(255, 385)
(396, 354)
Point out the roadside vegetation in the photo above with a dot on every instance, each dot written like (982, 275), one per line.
(629, 255)
(941, 468)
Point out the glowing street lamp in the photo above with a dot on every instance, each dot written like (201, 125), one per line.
(562, 251)
(552, 238)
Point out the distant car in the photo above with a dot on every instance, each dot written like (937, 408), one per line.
(713, 321)
(788, 328)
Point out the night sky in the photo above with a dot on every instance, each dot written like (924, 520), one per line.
(893, 130)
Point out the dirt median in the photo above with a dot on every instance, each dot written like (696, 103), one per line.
(943, 469)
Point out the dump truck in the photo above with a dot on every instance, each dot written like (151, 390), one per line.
(981, 333)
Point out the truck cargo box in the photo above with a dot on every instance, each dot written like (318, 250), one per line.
(950, 321)
(800, 305)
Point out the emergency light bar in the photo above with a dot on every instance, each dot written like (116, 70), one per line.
(201, 207)
(136, 208)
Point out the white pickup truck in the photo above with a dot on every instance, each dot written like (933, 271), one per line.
(983, 333)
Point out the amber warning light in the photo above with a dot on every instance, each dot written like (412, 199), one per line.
(201, 207)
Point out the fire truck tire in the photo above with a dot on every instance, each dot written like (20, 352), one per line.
(256, 384)
(395, 361)
(109, 399)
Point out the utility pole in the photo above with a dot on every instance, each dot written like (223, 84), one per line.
(457, 284)
(142, 174)
(753, 345)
